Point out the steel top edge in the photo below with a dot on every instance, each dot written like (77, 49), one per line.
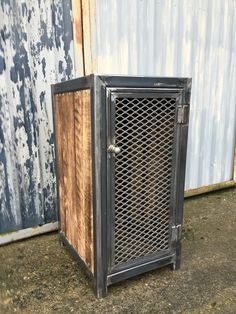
(144, 81)
(104, 75)
(121, 81)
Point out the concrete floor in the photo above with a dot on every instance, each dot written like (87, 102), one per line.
(39, 276)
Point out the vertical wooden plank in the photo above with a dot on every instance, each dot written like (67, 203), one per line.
(69, 164)
(84, 176)
(79, 173)
(84, 29)
(86, 25)
(78, 37)
(66, 161)
(87, 144)
(58, 128)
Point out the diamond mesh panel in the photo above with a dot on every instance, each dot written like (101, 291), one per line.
(145, 134)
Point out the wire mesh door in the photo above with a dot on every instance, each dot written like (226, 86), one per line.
(142, 160)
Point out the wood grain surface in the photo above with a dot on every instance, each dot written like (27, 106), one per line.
(74, 161)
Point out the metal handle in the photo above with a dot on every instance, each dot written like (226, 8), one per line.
(114, 149)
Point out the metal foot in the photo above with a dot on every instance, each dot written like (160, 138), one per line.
(177, 263)
(61, 242)
(101, 293)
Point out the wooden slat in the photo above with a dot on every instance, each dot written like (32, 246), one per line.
(69, 164)
(84, 177)
(78, 37)
(58, 109)
(66, 162)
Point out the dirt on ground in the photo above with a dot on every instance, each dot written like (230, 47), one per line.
(40, 276)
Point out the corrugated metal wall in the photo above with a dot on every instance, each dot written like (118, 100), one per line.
(178, 38)
(151, 37)
(36, 50)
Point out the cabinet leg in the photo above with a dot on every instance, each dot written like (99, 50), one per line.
(100, 290)
(177, 263)
(101, 293)
(60, 240)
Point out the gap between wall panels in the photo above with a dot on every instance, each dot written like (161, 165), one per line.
(83, 12)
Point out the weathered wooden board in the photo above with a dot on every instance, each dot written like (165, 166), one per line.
(84, 176)
(73, 138)
(58, 128)
(66, 159)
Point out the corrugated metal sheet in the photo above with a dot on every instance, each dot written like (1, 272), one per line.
(36, 50)
(179, 38)
(138, 37)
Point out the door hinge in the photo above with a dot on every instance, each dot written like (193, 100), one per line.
(176, 232)
(183, 114)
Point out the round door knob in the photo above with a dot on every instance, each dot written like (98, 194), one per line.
(114, 149)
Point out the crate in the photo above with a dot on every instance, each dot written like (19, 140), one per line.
(121, 153)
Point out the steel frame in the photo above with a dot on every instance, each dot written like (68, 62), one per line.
(103, 89)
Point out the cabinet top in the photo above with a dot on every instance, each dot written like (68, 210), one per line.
(121, 81)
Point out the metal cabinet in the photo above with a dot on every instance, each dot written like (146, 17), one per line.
(121, 153)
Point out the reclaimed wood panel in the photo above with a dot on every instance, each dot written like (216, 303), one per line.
(74, 163)
(66, 160)
(83, 171)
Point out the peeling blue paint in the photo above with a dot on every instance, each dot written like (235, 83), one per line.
(44, 66)
(13, 75)
(51, 139)
(2, 65)
(21, 69)
(69, 66)
(6, 218)
(42, 99)
(27, 169)
(60, 67)
(24, 9)
(4, 3)
(46, 38)
(29, 16)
